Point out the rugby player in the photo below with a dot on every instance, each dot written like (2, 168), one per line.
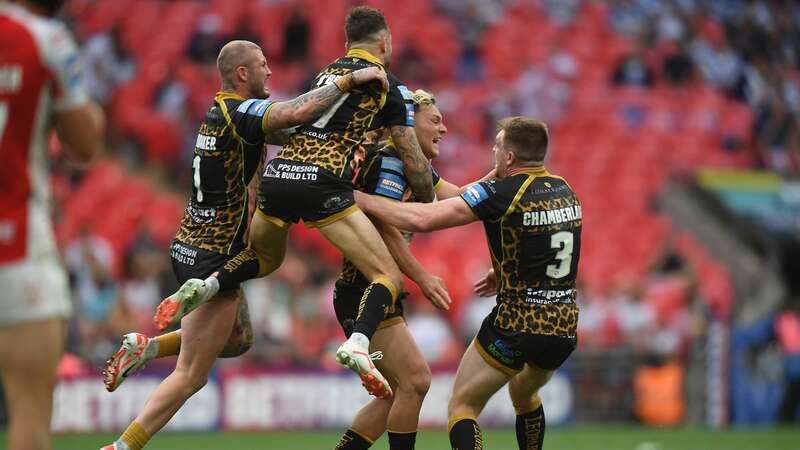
(533, 226)
(40, 87)
(382, 173)
(310, 179)
(405, 367)
(228, 151)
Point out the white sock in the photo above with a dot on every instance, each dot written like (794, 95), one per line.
(151, 350)
(212, 287)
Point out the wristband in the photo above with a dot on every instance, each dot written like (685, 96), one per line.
(345, 83)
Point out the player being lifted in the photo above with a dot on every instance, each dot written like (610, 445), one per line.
(228, 151)
(310, 179)
(533, 227)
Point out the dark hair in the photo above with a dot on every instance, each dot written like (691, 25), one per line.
(527, 137)
(362, 22)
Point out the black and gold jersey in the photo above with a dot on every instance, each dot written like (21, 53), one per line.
(533, 224)
(381, 173)
(330, 141)
(229, 147)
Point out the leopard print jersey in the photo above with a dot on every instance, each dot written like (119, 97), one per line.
(535, 248)
(229, 147)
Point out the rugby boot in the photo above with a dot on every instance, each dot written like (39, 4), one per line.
(173, 308)
(356, 357)
(114, 446)
(136, 351)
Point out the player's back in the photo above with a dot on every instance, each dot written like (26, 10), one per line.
(39, 74)
(533, 222)
(330, 141)
(227, 153)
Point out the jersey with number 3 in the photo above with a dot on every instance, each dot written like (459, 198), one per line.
(39, 75)
(227, 152)
(330, 141)
(533, 224)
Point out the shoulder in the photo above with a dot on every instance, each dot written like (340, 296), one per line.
(51, 39)
(386, 171)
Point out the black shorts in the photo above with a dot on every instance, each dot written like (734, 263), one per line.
(292, 190)
(508, 351)
(189, 261)
(347, 297)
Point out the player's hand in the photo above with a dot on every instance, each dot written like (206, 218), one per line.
(487, 286)
(435, 291)
(370, 74)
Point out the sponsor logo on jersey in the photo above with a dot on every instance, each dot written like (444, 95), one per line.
(474, 195)
(407, 95)
(201, 215)
(333, 203)
(549, 296)
(182, 254)
(254, 107)
(390, 185)
(299, 172)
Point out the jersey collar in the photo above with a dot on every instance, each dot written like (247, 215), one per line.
(363, 54)
(222, 95)
(529, 171)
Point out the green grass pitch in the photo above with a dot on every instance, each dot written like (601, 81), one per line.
(570, 438)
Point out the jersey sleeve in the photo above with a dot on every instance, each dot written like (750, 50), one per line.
(490, 200)
(398, 109)
(60, 55)
(385, 178)
(437, 180)
(250, 118)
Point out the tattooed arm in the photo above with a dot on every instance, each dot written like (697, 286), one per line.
(311, 105)
(416, 166)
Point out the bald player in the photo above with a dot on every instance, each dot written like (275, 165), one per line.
(227, 154)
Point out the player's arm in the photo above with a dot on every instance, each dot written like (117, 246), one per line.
(79, 122)
(80, 130)
(447, 189)
(278, 137)
(417, 216)
(432, 286)
(416, 166)
(312, 104)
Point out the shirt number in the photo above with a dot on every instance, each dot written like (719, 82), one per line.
(562, 241)
(196, 167)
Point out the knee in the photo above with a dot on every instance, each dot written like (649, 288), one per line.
(524, 397)
(193, 382)
(456, 407)
(417, 383)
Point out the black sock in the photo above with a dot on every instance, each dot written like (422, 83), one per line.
(375, 303)
(466, 435)
(242, 267)
(402, 441)
(530, 429)
(352, 441)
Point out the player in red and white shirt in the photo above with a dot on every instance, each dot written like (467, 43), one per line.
(39, 89)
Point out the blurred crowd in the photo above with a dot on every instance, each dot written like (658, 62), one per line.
(558, 60)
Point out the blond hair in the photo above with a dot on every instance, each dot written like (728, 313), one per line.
(422, 98)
